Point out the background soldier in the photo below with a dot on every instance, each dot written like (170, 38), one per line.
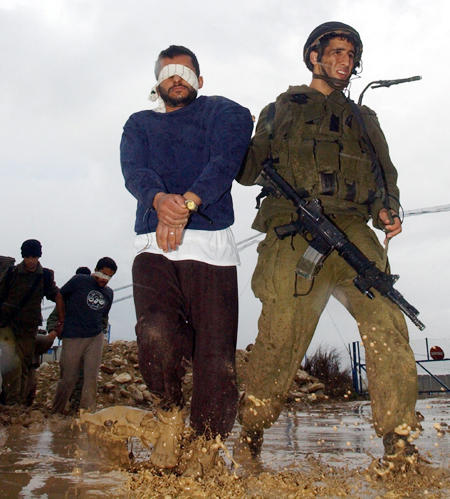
(321, 140)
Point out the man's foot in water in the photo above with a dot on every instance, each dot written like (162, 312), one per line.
(167, 447)
(200, 457)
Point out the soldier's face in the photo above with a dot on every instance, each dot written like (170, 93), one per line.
(31, 262)
(337, 59)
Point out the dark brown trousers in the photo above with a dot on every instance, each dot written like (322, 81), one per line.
(188, 310)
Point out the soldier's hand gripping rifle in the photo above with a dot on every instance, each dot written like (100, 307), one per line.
(324, 237)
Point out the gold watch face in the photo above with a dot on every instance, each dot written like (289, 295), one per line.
(190, 205)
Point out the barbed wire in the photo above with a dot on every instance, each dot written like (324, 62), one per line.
(424, 211)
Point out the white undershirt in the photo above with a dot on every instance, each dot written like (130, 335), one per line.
(216, 247)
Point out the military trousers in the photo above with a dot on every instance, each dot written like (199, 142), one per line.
(188, 311)
(287, 325)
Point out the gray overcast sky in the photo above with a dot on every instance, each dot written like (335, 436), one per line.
(73, 71)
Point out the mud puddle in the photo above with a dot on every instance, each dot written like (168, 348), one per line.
(51, 460)
(341, 434)
(321, 451)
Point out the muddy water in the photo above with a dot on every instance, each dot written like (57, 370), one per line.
(342, 434)
(52, 460)
(46, 461)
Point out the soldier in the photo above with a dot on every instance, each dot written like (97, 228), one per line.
(319, 141)
(21, 293)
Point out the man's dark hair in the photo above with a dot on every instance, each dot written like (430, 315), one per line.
(172, 52)
(83, 270)
(31, 248)
(106, 262)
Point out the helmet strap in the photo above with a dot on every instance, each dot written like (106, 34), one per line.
(335, 83)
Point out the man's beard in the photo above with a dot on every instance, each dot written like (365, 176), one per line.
(178, 101)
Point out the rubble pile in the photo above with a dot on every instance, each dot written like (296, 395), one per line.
(119, 380)
(120, 383)
(304, 389)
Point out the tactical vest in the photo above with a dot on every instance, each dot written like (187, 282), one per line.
(320, 150)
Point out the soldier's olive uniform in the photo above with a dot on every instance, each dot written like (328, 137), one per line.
(20, 326)
(321, 154)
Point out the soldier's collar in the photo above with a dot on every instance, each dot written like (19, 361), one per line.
(313, 94)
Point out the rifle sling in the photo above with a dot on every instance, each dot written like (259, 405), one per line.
(377, 169)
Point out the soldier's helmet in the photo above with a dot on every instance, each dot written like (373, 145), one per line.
(329, 29)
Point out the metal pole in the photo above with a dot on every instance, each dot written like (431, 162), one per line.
(354, 372)
(359, 369)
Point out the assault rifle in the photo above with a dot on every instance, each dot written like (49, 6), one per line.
(324, 237)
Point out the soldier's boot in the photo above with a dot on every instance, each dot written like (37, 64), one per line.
(167, 445)
(398, 445)
(400, 454)
(248, 446)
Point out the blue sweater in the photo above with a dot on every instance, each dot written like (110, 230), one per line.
(198, 148)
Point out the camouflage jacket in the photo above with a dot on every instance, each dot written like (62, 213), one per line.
(320, 150)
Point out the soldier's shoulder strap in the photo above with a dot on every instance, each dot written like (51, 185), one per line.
(269, 126)
(377, 168)
(270, 118)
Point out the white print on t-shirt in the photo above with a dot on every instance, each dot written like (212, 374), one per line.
(95, 300)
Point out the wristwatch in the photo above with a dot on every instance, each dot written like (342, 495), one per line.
(191, 205)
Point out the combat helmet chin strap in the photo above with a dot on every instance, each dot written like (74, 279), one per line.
(335, 83)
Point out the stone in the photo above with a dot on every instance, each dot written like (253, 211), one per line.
(123, 378)
(147, 395)
(117, 361)
(107, 369)
(312, 387)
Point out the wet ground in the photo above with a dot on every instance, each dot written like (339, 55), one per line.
(52, 460)
(341, 433)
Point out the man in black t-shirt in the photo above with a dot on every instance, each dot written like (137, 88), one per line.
(88, 300)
